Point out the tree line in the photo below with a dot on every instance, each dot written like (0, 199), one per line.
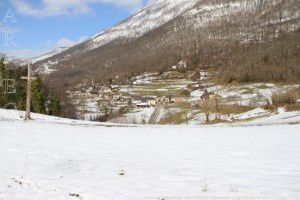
(13, 92)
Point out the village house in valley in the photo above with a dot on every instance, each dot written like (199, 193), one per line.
(144, 102)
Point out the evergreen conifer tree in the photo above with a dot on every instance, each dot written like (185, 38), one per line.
(2, 77)
(37, 97)
(54, 105)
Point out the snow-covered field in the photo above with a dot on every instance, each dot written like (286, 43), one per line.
(53, 158)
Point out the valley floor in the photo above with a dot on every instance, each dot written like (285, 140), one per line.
(53, 158)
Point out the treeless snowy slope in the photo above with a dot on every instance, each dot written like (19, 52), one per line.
(14, 115)
(145, 20)
(58, 161)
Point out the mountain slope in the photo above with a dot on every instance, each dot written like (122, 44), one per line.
(147, 19)
(46, 55)
(144, 21)
(201, 32)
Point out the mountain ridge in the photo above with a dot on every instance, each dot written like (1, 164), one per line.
(201, 28)
(99, 39)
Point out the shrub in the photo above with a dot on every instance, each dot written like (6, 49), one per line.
(286, 98)
(234, 109)
(276, 60)
(292, 107)
(186, 93)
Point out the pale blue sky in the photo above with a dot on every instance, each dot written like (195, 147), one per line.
(43, 25)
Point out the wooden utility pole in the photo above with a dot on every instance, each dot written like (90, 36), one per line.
(28, 93)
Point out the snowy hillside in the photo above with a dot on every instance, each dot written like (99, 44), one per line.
(156, 37)
(46, 55)
(197, 13)
(46, 68)
(147, 19)
(53, 158)
(9, 58)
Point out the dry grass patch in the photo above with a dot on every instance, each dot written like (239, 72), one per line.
(292, 107)
(271, 108)
(286, 98)
(157, 93)
(234, 109)
(176, 118)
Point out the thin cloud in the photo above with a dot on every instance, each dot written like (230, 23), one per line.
(4, 28)
(49, 8)
(24, 53)
(49, 46)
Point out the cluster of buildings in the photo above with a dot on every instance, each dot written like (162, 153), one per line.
(112, 100)
(140, 101)
(112, 94)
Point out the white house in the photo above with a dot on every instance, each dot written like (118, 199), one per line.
(143, 102)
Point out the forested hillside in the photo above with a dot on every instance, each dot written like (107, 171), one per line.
(13, 93)
(249, 40)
